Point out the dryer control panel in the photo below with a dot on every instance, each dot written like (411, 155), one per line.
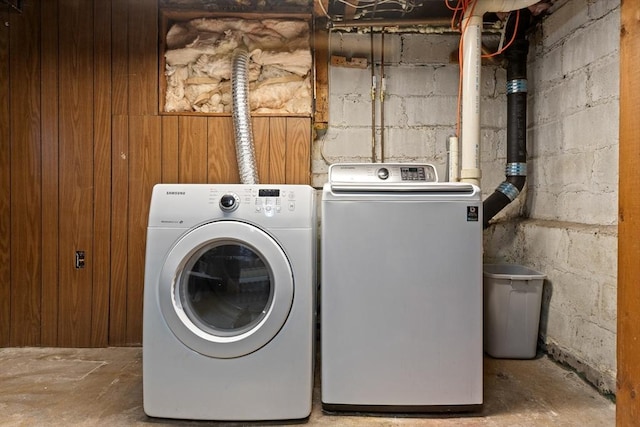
(380, 176)
(186, 205)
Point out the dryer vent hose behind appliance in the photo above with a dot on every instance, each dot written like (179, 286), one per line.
(245, 151)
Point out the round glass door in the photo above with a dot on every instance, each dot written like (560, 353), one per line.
(226, 289)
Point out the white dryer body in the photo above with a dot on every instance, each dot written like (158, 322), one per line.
(229, 302)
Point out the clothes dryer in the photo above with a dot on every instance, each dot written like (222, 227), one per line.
(401, 292)
(229, 302)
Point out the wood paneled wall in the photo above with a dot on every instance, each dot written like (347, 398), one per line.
(81, 145)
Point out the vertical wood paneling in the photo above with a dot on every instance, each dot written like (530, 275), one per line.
(120, 56)
(145, 171)
(260, 127)
(277, 150)
(628, 350)
(26, 201)
(81, 146)
(50, 199)
(101, 173)
(143, 57)
(76, 173)
(222, 165)
(119, 230)
(192, 149)
(5, 184)
(298, 155)
(169, 149)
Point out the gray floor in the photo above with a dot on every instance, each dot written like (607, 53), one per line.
(89, 387)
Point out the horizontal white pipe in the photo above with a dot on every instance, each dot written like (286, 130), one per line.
(484, 6)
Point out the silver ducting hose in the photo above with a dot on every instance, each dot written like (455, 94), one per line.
(245, 151)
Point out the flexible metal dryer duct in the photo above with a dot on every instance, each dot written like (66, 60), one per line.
(516, 169)
(245, 151)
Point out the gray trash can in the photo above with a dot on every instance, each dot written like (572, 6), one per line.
(512, 300)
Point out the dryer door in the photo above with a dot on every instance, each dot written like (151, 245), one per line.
(226, 289)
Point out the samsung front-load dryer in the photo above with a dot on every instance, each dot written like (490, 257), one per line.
(229, 302)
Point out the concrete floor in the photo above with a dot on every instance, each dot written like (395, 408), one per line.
(91, 387)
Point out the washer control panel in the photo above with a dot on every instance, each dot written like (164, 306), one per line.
(354, 176)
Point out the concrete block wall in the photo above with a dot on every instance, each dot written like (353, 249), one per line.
(421, 89)
(570, 233)
(564, 223)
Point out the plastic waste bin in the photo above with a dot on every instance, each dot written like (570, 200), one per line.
(512, 300)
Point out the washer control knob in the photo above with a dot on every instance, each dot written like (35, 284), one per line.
(383, 173)
(229, 202)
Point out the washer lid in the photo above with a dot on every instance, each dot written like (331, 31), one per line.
(226, 289)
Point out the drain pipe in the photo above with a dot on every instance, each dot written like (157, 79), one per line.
(472, 50)
(516, 169)
(245, 151)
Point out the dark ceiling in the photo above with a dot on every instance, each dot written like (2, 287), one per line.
(337, 11)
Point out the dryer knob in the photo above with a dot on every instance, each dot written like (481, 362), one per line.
(229, 202)
(383, 173)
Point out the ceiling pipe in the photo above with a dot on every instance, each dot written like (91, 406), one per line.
(359, 23)
(471, 79)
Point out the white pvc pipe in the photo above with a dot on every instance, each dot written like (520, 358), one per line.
(454, 159)
(471, 81)
(471, 78)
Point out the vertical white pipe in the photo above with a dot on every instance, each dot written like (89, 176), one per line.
(454, 159)
(471, 80)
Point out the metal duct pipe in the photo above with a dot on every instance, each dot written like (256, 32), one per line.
(516, 169)
(245, 151)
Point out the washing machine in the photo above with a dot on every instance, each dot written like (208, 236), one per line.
(401, 291)
(229, 302)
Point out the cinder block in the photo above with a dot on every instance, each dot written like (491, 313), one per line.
(543, 140)
(411, 143)
(590, 128)
(428, 48)
(604, 80)
(493, 112)
(592, 43)
(394, 111)
(447, 79)
(608, 305)
(411, 81)
(593, 252)
(435, 110)
(605, 168)
(588, 208)
(565, 20)
(593, 344)
(346, 81)
(546, 69)
(350, 144)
